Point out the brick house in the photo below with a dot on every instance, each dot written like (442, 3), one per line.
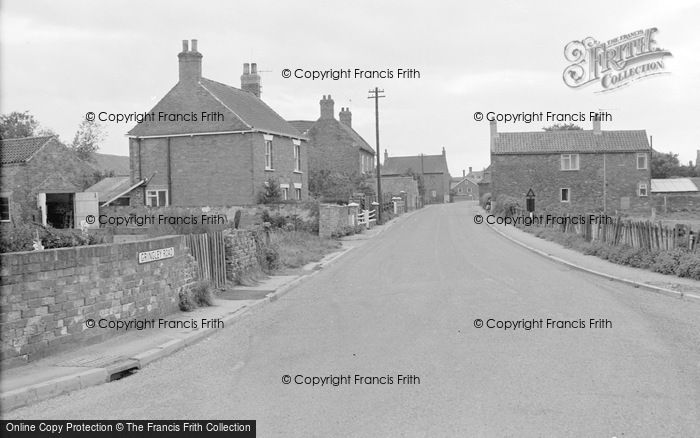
(464, 189)
(334, 145)
(216, 146)
(40, 180)
(431, 168)
(573, 170)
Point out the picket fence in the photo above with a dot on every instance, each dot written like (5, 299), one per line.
(617, 231)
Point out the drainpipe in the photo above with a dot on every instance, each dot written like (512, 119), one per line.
(170, 180)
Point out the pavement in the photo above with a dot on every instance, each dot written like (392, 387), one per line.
(129, 352)
(670, 285)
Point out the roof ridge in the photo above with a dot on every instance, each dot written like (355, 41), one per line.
(34, 137)
(222, 103)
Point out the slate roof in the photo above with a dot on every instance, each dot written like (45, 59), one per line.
(454, 182)
(582, 141)
(672, 185)
(357, 138)
(401, 165)
(108, 188)
(242, 111)
(303, 126)
(20, 150)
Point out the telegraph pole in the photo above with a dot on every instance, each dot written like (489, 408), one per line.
(375, 94)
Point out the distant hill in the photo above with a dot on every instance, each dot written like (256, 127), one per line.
(117, 163)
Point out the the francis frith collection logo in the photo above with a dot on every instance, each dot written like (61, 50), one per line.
(616, 62)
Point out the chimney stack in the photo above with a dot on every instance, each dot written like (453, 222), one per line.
(190, 62)
(327, 107)
(596, 125)
(697, 161)
(470, 170)
(464, 173)
(493, 125)
(345, 117)
(386, 155)
(250, 79)
(443, 151)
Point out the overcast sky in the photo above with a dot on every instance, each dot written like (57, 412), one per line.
(61, 59)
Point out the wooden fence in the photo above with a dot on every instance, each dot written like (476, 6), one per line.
(617, 231)
(209, 251)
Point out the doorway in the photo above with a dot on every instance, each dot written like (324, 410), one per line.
(59, 210)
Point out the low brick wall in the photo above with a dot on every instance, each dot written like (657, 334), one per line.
(242, 250)
(47, 296)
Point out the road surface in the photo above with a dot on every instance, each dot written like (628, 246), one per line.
(405, 303)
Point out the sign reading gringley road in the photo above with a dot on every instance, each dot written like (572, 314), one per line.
(156, 254)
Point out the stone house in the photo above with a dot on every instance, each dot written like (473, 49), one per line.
(432, 169)
(40, 181)
(333, 143)
(210, 144)
(573, 170)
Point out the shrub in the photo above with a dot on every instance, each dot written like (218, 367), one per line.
(667, 262)
(504, 206)
(21, 238)
(200, 295)
(689, 266)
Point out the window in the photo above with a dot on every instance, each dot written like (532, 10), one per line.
(297, 194)
(469, 189)
(642, 162)
(565, 195)
(569, 162)
(156, 198)
(285, 191)
(4, 209)
(459, 190)
(268, 152)
(297, 157)
(642, 189)
(433, 193)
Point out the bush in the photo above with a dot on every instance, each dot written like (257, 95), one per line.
(200, 295)
(689, 266)
(504, 206)
(21, 238)
(667, 262)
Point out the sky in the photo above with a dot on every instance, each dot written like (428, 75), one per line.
(62, 59)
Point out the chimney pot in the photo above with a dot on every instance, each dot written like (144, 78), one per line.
(190, 63)
(345, 117)
(250, 80)
(327, 107)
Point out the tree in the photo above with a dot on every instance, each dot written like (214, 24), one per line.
(87, 140)
(563, 127)
(270, 192)
(667, 165)
(17, 125)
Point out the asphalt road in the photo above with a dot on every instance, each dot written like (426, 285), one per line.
(406, 303)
